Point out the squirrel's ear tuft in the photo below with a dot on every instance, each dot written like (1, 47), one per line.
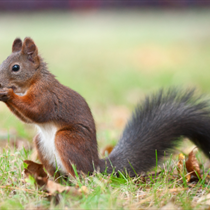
(29, 48)
(17, 45)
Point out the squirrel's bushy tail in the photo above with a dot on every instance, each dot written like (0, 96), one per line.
(157, 125)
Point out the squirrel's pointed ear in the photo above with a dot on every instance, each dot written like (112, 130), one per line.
(29, 48)
(17, 45)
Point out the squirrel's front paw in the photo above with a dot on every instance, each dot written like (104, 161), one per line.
(5, 94)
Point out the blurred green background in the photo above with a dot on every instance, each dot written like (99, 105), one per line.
(113, 58)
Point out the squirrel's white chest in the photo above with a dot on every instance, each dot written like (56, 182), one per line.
(47, 132)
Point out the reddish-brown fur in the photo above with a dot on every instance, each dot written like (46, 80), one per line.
(47, 101)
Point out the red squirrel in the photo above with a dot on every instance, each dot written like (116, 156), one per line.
(66, 128)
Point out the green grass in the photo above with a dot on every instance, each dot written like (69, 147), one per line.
(105, 192)
(112, 58)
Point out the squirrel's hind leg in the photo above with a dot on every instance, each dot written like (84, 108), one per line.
(74, 148)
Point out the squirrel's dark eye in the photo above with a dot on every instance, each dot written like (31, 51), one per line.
(15, 68)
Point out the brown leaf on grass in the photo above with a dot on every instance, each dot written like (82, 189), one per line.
(37, 171)
(180, 167)
(53, 187)
(192, 165)
(108, 149)
(42, 179)
(188, 177)
(180, 164)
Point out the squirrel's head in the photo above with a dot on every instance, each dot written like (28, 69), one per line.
(19, 70)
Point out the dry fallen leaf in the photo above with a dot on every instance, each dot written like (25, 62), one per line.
(42, 179)
(188, 177)
(181, 157)
(53, 187)
(180, 164)
(192, 165)
(108, 149)
(37, 171)
(180, 167)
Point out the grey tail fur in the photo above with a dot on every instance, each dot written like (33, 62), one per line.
(156, 126)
